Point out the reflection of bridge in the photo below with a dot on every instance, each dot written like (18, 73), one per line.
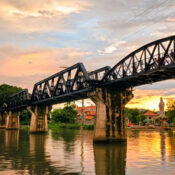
(109, 88)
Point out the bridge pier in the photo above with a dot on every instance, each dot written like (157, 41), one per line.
(12, 120)
(110, 120)
(2, 120)
(100, 123)
(38, 121)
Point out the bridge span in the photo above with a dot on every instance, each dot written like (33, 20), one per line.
(109, 88)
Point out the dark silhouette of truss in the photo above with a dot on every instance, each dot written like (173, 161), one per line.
(150, 63)
(18, 100)
(71, 83)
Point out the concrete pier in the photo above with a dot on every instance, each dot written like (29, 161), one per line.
(12, 120)
(2, 121)
(100, 123)
(38, 122)
(110, 120)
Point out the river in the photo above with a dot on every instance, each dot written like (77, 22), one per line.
(72, 152)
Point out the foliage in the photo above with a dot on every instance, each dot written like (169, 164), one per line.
(88, 127)
(53, 125)
(65, 115)
(171, 111)
(6, 91)
(170, 105)
(135, 116)
(25, 117)
(141, 117)
(25, 127)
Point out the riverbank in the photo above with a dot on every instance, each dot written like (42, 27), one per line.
(77, 126)
(53, 125)
(151, 127)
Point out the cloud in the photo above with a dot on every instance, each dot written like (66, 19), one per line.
(23, 67)
(149, 99)
(113, 47)
(17, 62)
(171, 19)
(42, 15)
(37, 37)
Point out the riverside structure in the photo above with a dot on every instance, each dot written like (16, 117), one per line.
(109, 88)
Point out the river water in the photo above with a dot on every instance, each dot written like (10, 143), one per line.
(72, 152)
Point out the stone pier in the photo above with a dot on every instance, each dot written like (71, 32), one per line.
(110, 120)
(100, 123)
(12, 120)
(38, 121)
(2, 120)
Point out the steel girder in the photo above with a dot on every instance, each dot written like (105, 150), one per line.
(152, 62)
(70, 84)
(99, 73)
(62, 86)
(19, 100)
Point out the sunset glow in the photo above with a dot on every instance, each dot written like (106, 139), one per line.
(39, 37)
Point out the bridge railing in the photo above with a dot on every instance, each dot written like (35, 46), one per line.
(19, 100)
(152, 56)
(99, 73)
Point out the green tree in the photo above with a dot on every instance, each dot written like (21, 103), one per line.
(25, 117)
(142, 117)
(6, 91)
(171, 111)
(132, 115)
(135, 115)
(57, 115)
(65, 115)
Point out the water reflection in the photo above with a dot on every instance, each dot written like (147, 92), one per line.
(75, 153)
(149, 153)
(162, 145)
(110, 159)
(13, 150)
(72, 152)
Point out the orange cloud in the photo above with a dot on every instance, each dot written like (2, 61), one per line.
(171, 19)
(37, 61)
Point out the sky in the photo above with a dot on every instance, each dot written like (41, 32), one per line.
(38, 37)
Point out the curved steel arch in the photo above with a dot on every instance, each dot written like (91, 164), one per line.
(147, 61)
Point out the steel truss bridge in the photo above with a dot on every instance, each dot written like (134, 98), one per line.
(150, 63)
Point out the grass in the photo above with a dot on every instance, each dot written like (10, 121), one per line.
(53, 125)
(25, 127)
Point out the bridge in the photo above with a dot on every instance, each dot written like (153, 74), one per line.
(109, 88)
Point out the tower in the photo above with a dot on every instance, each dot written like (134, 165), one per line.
(161, 108)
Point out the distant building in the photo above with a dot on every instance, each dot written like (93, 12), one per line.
(151, 115)
(89, 112)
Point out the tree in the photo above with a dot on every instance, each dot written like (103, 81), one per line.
(25, 117)
(65, 115)
(6, 91)
(135, 116)
(132, 115)
(142, 117)
(171, 111)
(57, 115)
